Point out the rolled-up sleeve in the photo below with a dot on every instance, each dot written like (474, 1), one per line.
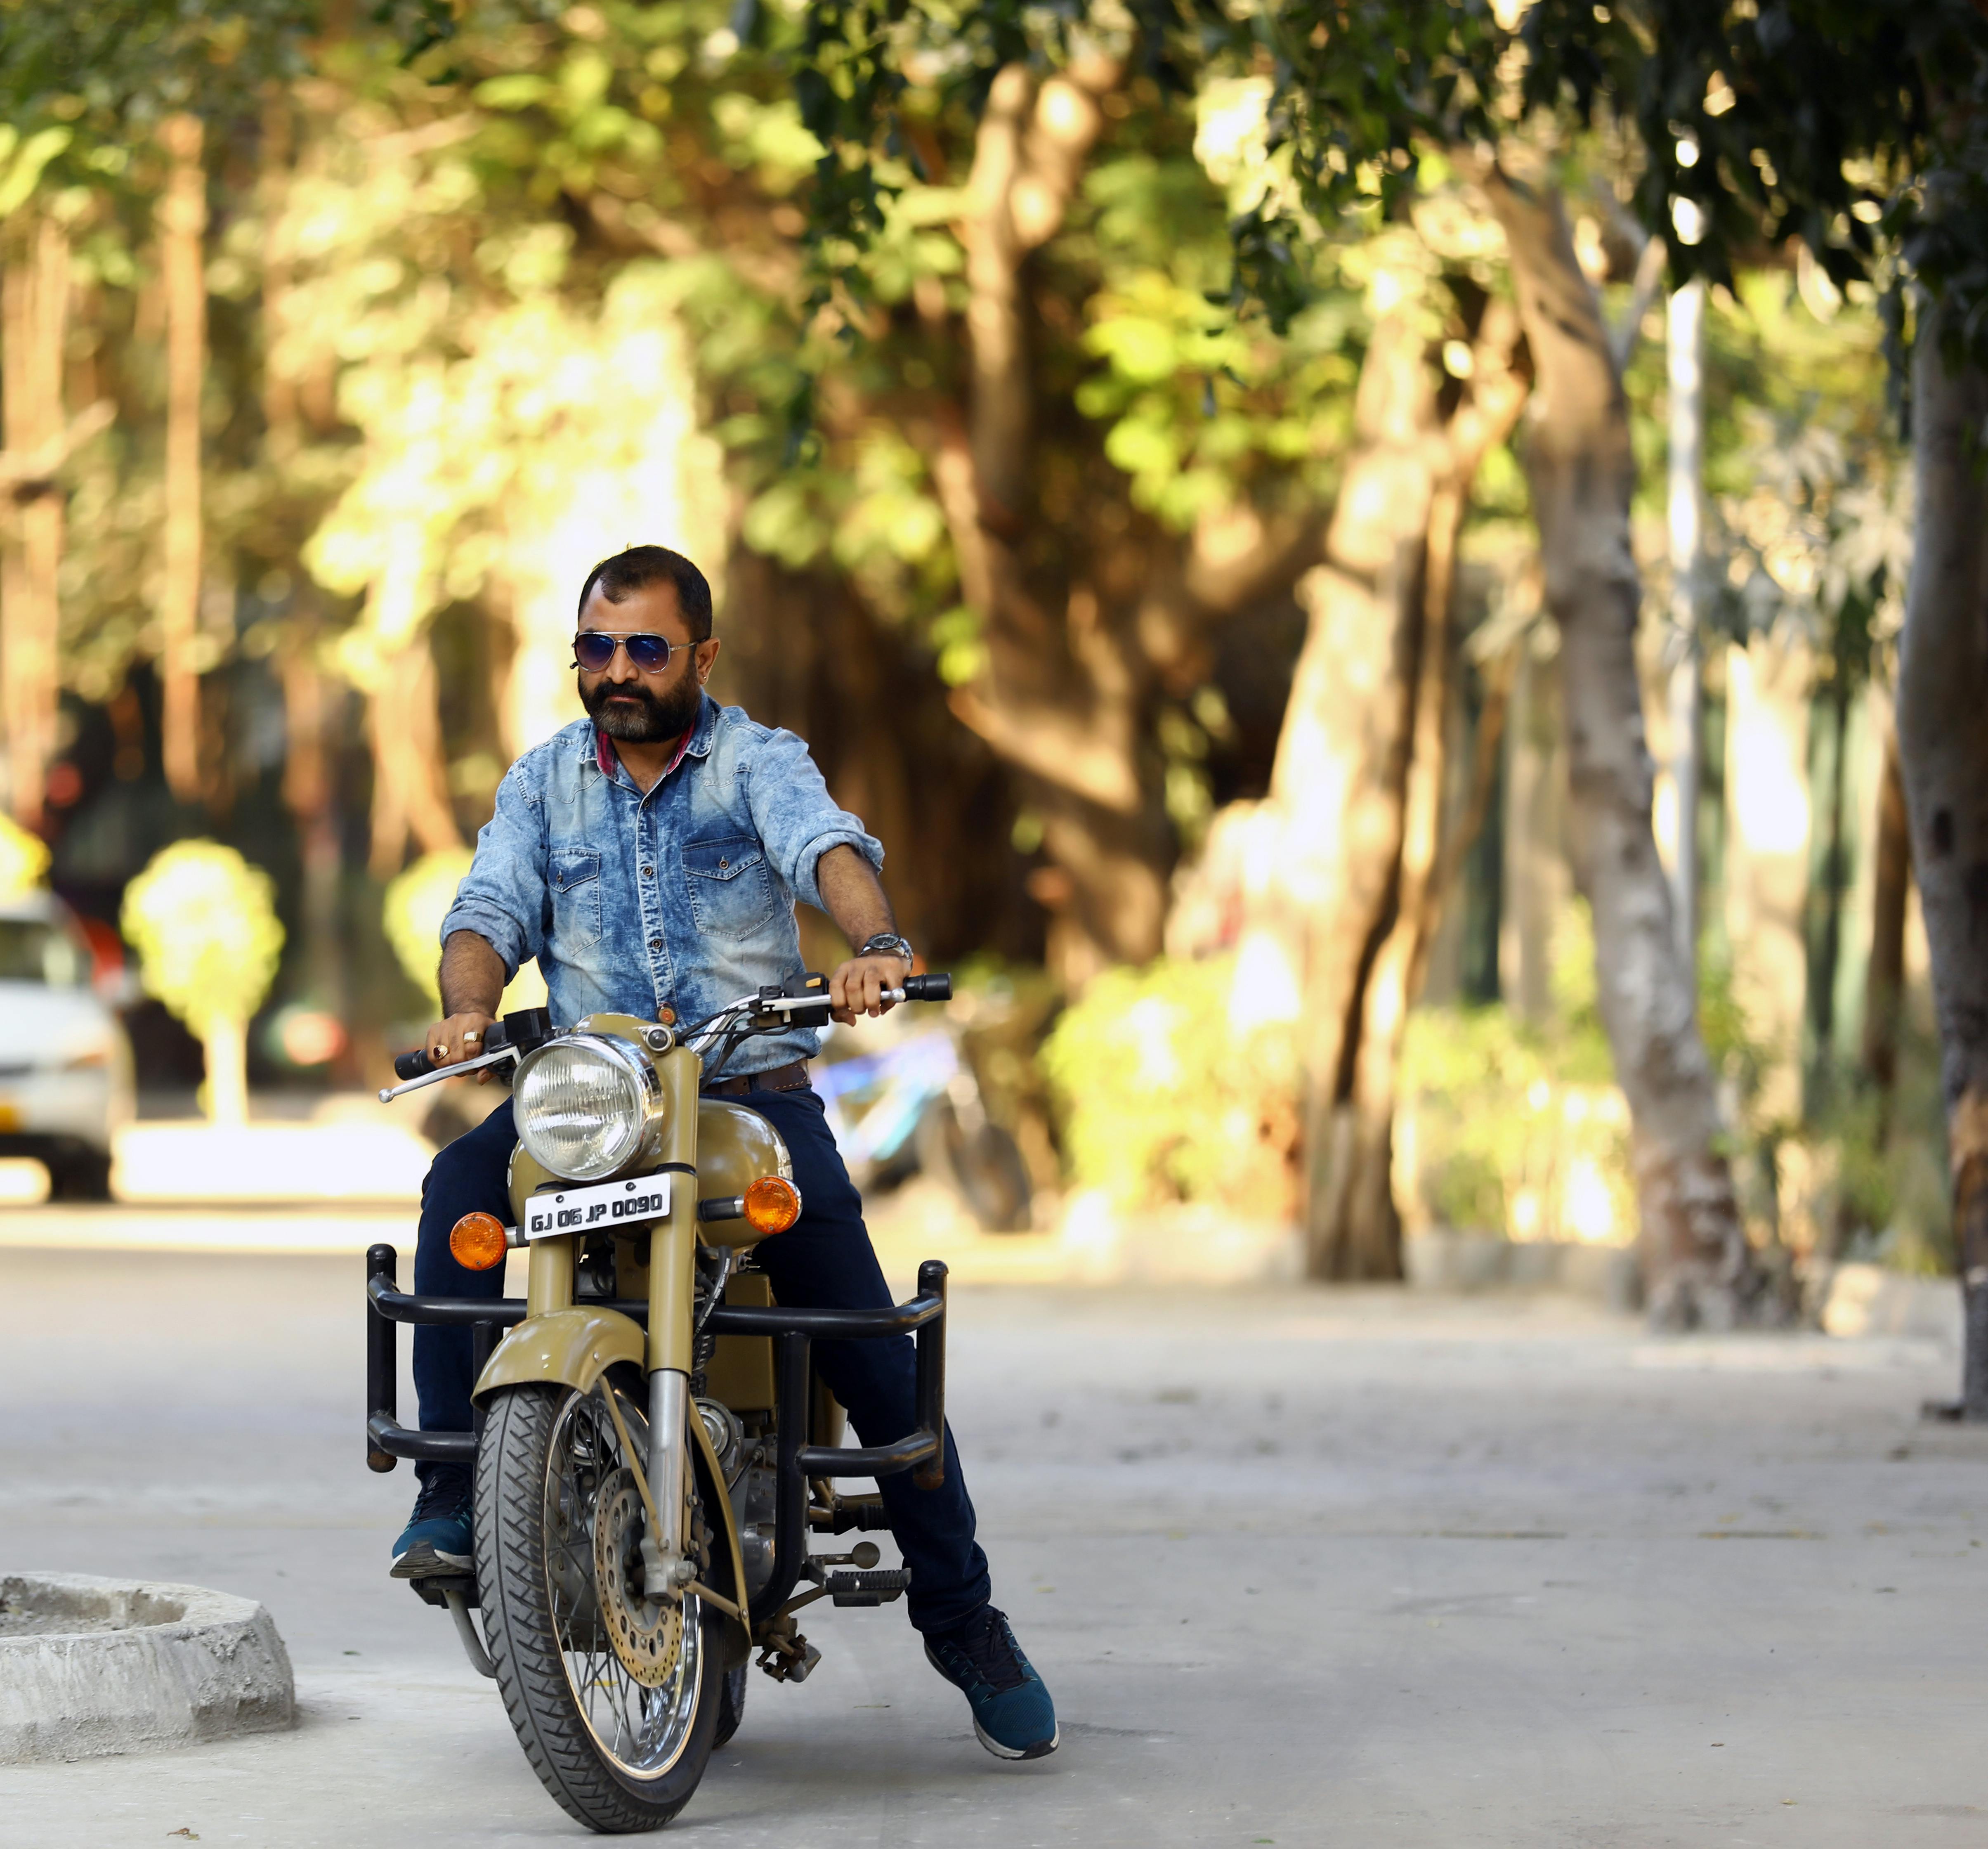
(797, 820)
(502, 896)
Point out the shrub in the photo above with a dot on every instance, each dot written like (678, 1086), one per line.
(203, 924)
(1161, 1101)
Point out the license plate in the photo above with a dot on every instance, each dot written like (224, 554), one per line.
(581, 1209)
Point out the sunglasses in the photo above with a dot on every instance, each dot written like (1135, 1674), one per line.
(650, 653)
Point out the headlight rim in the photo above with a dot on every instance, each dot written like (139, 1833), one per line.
(628, 1058)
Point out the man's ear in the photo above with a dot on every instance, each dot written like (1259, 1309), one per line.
(707, 658)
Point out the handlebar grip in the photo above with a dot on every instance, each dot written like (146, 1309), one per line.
(929, 988)
(416, 1065)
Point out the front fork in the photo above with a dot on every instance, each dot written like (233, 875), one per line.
(672, 1308)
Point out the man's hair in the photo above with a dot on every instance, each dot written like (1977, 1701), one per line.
(640, 566)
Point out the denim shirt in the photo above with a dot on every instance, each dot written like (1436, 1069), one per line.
(682, 898)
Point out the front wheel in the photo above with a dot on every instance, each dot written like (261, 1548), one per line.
(615, 1697)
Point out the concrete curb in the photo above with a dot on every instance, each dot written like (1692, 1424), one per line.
(129, 1666)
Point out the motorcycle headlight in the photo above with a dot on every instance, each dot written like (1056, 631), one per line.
(584, 1105)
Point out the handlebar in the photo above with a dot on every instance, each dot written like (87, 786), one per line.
(517, 1033)
(416, 1065)
(520, 1032)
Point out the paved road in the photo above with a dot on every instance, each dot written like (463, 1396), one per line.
(1301, 1569)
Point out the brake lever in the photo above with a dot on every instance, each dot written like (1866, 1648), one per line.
(441, 1073)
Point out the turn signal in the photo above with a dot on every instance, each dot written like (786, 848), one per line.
(478, 1241)
(771, 1205)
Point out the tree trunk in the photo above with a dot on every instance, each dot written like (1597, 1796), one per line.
(1063, 697)
(283, 429)
(1698, 1267)
(225, 1049)
(1943, 755)
(1353, 1223)
(1885, 981)
(182, 219)
(1340, 783)
(34, 324)
(1685, 342)
(409, 778)
(804, 651)
(308, 724)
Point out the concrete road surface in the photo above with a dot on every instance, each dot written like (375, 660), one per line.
(1300, 1568)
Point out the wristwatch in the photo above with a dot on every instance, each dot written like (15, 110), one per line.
(887, 943)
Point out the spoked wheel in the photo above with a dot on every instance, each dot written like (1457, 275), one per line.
(614, 1695)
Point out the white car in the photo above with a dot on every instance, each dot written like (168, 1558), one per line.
(66, 1085)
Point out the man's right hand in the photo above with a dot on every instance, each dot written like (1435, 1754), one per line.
(461, 1037)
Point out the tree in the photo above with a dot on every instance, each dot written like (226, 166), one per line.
(1859, 130)
(34, 321)
(203, 924)
(80, 85)
(1357, 95)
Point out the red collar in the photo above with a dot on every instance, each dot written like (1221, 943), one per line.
(603, 753)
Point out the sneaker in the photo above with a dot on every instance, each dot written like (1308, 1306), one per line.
(438, 1538)
(1012, 1713)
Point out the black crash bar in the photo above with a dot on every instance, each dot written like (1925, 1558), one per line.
(792, 1332)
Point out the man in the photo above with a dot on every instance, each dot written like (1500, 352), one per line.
(649, 856)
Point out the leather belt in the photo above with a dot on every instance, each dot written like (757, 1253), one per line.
(793, 1077)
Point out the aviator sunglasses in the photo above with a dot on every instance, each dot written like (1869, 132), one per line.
(649, 651)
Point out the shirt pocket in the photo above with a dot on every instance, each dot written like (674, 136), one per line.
(731, 891)
(574, 876)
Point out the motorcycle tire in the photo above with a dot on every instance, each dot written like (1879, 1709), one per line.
(731, 1704)
(535, 1628)
(985, 1167)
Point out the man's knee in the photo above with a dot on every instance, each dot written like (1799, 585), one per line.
(472, 1169)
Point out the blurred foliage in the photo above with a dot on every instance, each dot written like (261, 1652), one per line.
(24, 859)
(1159, 1102)
(1853, 126)
(416, 900)
(1509, 1127)
(203, 924)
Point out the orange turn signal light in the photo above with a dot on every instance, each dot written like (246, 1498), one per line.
(772, 1205)
(478, 1242)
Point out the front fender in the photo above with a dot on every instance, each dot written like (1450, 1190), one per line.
(573, 1347)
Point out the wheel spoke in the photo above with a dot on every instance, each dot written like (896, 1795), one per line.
(639, 1728)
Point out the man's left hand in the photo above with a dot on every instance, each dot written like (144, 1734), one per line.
(857, 987)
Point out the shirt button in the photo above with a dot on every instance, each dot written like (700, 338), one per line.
(648, 873)
(667, 1016)
(655, 943)
(722, 865)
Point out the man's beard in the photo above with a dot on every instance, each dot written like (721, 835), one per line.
(639, 717)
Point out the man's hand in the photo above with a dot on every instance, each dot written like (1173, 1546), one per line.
(857, 987)
(461, 1037)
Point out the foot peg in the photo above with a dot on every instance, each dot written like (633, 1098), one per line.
(862, 1587)
(877, 1588)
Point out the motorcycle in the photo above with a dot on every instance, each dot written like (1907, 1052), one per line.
(652, 1450)
(915, 1106)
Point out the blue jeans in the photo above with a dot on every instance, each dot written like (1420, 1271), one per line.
(824, 1261)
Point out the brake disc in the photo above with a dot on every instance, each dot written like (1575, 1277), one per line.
(647, 1633)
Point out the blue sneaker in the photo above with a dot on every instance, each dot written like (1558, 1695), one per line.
(438, 1538)
(1012, 1713)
